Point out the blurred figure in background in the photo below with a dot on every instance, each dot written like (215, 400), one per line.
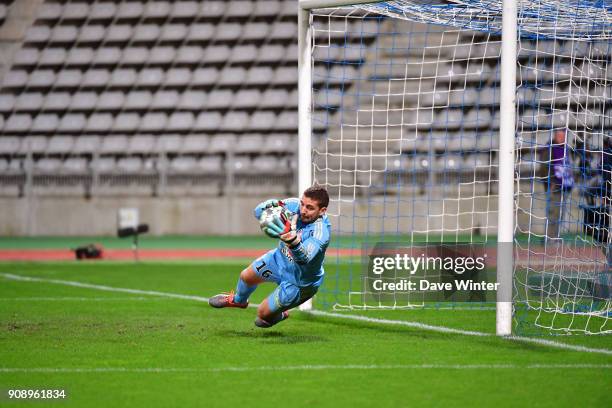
(559, 181)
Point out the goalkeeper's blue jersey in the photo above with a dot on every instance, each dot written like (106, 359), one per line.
(303, 265)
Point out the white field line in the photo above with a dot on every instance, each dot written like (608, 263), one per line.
(439, 329)
(323, 367)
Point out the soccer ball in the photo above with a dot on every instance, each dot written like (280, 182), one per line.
(269, 215)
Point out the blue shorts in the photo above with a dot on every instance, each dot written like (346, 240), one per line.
(287, 294)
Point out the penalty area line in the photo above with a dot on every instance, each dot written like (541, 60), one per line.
(323, 367)
(405, 323)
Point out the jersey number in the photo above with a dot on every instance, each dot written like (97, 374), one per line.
(266, 273)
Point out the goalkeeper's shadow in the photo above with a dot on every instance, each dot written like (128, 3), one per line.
(275, 336)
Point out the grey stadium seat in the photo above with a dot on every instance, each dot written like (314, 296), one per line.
(126, 122)
(45, 122)
(266, 164)
(262, 120)
(86, 144)
(107, 56)
(83, 101)
(150, 77)
(184, 9)
(64, 34)
(284, 31)
(156, 9)
(34, 144)
(201, 32)
(141, 144)
(41, 79)
(239, 164)
(228, 32)
(60, 145)
(74, 165)
(280, 144)
(49, 11)
(246, 98)
(26, 57)
(239, 9)
(234, 121)
(183, 164)
(287, 120)
(242, 54)
(192, 100)
(9, 145)
(104, 165)
(205, 77)
(162, 55)
(255, 31)
(15, 79)
(102, 11)
(47, 165)
(217, 54)
(146, 33)
(274, 98)
(129, 165)
(285, 76)
(211, 164)
(96, 78)
(123, 78)
(252, 143)
(110, 100)
(79, 57)
(99, 122)
(27, 102)
(69, 78)
(129, 10)
(118, 34)
(213, 9)
(72, 122)
(168, 143)
(57, 101)
(114, 145)
(180, 121)
(232, 76)
(189, 55)
(7, 102)
(91, 34)
(165, 100)
(52, 57)
(219, 99)
(154, 122)
(271, 53)
(76, 11)
(208, 121)
(135, 56)
(178, 77)
(222, 143)
(18, 123)
(267, 8)
(173, 32)
(260, 75)
(138, 100)
(195, 144)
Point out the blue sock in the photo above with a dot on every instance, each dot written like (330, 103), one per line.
(243, 291)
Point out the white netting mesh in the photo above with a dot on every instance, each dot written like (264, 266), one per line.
(406, 113)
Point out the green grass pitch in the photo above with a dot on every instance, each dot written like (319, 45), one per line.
(109, 348)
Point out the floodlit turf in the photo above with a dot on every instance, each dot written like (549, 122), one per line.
(108, 348)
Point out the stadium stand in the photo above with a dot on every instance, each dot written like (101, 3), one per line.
(210, 88)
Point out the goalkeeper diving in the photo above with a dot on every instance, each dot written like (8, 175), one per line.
(295, 265)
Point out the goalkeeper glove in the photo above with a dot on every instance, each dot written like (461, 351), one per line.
(278, 225)
(291, 237)
(272, 203)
